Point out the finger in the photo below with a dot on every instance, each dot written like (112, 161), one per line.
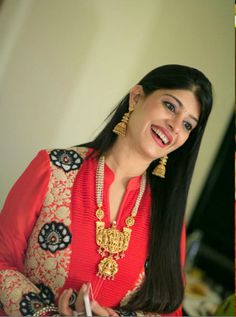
(63, 303)
(79, 304)
(98, 309)
(111, 312)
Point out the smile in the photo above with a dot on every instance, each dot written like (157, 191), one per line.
(164, 139)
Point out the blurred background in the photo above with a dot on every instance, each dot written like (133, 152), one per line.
(64, 65)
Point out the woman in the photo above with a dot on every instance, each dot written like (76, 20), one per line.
(109, 212)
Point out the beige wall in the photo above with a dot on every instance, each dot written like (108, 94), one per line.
(65, 63)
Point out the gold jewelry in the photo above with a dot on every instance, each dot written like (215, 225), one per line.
(112, 242)
(160, 169)
(43, 311)
(121, 127)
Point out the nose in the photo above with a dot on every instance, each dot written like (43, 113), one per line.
(175, 125)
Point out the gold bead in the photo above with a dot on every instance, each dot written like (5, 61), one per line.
(129, 221)
(100, 213)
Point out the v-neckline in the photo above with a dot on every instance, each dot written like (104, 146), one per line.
(133, 184)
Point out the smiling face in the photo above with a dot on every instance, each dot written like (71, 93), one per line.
(162, 121)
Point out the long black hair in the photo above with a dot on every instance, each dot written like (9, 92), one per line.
(163, 290)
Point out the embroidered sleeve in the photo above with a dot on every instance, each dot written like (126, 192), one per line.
(19, 295)
(17, 219)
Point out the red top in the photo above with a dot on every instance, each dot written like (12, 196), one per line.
(39, 198)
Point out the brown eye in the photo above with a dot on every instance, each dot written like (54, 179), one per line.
(188, 127)
(170, 106)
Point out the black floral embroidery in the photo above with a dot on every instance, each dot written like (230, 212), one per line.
(68, 160)
(32, 302)
(54, 236)
(46, 294)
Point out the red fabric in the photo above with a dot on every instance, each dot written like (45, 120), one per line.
(22, 208)
(20, 212)
(84, 247)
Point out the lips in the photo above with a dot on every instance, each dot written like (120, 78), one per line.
(161, 135)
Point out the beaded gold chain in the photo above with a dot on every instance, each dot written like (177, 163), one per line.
(112, 242)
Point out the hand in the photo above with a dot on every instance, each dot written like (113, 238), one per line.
(63, 303)
(99, 310)
(65, 310)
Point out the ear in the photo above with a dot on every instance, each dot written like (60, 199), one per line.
(136, 94)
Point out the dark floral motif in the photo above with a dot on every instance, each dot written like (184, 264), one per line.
(54, 236)
(46, 294)
(30, 304)
(68, 160)
(33, 302)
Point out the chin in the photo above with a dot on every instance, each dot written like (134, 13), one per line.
(152, 154)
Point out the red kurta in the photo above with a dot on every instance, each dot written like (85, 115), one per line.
(50, 201)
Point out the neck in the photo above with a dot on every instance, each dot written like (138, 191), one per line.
(125, 161)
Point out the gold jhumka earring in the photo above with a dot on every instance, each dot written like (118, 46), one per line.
(160, 169)
(121, 127)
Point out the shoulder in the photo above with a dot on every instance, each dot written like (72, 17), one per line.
(68, 159)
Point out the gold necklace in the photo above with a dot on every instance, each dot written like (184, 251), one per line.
(112, 242)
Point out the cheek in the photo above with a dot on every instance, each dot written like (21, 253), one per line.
(180, 141)
(183, 139)
(139, 119)
(135, 124)
(156, 110)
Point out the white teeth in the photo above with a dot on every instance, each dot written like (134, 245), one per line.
(161, 135)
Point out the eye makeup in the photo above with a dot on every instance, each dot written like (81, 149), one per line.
(181, 106)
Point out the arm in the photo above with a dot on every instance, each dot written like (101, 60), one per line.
(17, 220)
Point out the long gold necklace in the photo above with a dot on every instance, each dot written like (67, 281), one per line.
(112, 242)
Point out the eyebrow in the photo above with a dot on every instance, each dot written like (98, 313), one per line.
(182, 106)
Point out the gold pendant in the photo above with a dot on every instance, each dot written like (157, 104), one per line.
(107, 268)
(111, 239)
(113, 242)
